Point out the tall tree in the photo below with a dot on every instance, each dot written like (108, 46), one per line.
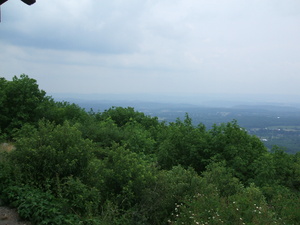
(233, 144)
(21, 102)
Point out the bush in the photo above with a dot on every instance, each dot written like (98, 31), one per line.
(171, 187)
(82, 199)
(51, 151)
(208, 207)
(120, 176)
(37, 206)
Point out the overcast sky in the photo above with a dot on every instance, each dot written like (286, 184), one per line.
(154, 46)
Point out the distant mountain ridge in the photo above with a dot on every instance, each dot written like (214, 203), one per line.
(205, 100)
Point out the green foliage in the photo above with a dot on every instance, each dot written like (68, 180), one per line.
(171, 187)
(59, 112)
(7, 171)
(51, 150)
(21, 102)
(222, 178)
(208, 207)
(82, 199)
(296, 171)
(250, 206)
(122, 176)
(283, 166)
(38, 207)
(67, 166)
(264, 170)
(233, 144)
(121, 116)
(183, 144)
(3, 109)
(137, 138)
(105, 133)
(286, 204)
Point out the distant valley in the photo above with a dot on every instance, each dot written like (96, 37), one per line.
(274, 123)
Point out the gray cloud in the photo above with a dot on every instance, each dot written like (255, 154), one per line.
(84, 25)
(132, 46)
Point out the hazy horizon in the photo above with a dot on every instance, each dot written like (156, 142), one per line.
(213, 100)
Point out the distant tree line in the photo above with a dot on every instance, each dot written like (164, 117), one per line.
(120, 166)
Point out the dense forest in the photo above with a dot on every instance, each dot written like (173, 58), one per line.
(119, 166)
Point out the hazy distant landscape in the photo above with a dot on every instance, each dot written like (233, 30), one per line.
(150, 112)
(122, 160)
(273, 120)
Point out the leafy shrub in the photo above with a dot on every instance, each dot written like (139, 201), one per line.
(208, 207)
(7, 174)
(286, 204)
(21, 102)
(121, 116)
(37, 206)
(183, 144)
(171, 186)
(232, 144)
(222, 178)
(83, 200)
(121, 175)
(137, 138)
(105, 133)
(51, 151)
